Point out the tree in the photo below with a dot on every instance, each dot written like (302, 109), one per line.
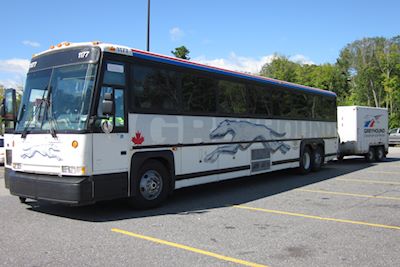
(181, 52)
(374, 68)
(281, 68)
(326, 76)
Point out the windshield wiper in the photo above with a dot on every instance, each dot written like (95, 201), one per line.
(50, 117)
(28, 124)
(52, 123)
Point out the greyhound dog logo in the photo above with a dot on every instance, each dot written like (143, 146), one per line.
(49, 151)
(244, 131)
(370, 121)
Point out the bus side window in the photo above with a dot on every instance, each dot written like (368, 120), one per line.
(119, 108)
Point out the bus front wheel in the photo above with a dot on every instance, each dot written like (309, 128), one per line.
(150, 186)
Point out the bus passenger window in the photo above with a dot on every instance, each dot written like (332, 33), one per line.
(198, 94)
(232, 97)
(114, 74)
(154, 88)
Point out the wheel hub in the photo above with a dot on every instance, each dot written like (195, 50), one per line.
(151, 185)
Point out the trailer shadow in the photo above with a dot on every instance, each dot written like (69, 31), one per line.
(200, 199)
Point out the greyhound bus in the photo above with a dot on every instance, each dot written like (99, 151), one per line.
(101, 121)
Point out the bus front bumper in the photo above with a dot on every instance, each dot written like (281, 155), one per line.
(66, 190)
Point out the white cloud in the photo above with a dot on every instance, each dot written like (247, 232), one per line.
(301, 59)
(176, 33)
(13, 72)
(31, 43)
(14, 65)
(16, 83)
(248, 64)
(237, 63)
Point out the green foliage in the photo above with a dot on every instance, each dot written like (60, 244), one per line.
(367, 72)
(181, 52)
(327, 76)
(280, 68)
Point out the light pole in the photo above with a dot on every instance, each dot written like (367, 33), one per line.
(148, 25)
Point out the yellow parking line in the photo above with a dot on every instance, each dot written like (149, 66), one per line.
(384, 172)
(346, 194)
(196, 250)
(318, 217)
(367, 181)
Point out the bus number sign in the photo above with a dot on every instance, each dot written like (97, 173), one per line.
(83, 54)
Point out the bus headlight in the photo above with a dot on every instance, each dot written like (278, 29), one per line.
(73, 170)
(16, 166)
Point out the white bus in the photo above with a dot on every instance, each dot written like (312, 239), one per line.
(102, 121)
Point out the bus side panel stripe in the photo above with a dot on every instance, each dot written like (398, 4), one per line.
(212, 172)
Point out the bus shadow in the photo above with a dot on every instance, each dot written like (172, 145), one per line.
(200, 199)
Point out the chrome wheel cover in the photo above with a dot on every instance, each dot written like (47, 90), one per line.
(151, 185)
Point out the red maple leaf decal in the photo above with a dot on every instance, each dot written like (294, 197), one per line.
(138, 139)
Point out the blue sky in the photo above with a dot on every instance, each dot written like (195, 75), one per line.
(235, 34)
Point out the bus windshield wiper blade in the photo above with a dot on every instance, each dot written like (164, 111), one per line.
(50, 117)
(37, 113)
(53, 126)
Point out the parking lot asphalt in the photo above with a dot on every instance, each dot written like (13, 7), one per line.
(348, 214)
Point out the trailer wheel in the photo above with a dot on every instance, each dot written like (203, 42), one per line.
(380, 153)
(317, 159)
(151, 185)
(370, 156)
(305, 161)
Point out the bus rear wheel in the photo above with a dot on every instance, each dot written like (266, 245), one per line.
(150, 185)
(317, 159)
(305, 161)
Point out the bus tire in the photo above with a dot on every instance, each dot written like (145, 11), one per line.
(305, 161)
(22, 200)
(317, 159)
(370, 156)
(151, 185)
(380, 153)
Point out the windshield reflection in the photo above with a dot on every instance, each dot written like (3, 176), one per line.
(57, 98)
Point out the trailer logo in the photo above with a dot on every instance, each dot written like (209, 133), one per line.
(372, 123)
(248, 133)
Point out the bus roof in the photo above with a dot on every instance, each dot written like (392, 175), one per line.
(124, 50)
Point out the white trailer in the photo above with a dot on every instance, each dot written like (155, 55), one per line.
(363, 131)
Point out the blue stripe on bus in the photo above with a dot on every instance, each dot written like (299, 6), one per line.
(228, 73)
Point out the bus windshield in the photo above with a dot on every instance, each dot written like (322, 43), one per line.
(57, 98)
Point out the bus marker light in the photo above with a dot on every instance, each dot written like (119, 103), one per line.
(74, 144)
(59, 45)
(67, 43)
(52, 47)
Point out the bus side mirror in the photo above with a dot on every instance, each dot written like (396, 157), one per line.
(8, 108)
(107, 104)
(2, 109)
